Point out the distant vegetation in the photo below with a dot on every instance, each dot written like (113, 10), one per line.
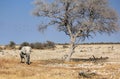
(47, 45)
(65, 46)
(101, 43)
(11, 45)
(91, 43)
(38, 45)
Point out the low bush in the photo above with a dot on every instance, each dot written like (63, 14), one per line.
(24, 44)
(65, 46)
(11, 45)
(37, 45)
(47, 45)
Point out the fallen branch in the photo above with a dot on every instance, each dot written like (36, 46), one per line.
(87, 74)
(96, 59)
(93, 58)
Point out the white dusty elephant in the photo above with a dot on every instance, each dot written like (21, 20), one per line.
(25, 54)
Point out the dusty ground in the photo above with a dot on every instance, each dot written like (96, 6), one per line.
(48, 64)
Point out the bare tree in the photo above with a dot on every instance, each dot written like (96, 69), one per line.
(79, 19)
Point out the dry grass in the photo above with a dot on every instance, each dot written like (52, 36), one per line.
(42, 69)
(46, 64)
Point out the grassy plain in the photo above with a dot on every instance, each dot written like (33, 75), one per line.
(48, 64)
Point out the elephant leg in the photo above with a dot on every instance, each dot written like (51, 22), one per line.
(28, 59)
(22, 57)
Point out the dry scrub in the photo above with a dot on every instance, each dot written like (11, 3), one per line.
(56, 69)
(48, 64)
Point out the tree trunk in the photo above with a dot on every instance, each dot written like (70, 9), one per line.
(72, 48)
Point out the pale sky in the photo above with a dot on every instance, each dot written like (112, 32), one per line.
(19, 25)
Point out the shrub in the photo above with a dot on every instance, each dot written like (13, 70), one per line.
(49, 45)
(37, 45)
(11, 45)
(0, 49)
(24, 44)
(65, 46)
